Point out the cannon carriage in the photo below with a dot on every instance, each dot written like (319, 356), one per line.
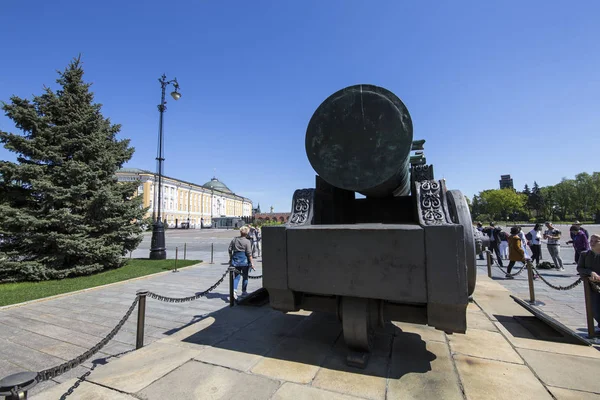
(403, 252)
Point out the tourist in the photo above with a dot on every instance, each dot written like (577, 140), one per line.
(582, 229)
(493, 232)
(589, 266)
(480, 229)
(523, 242)
(503, 244)
(579, 240)
(535, 243)
(253, 236)
(515, 250)
(240, 257)
(258, 241)
(553, 244)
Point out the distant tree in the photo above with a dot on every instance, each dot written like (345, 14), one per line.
(527, 193)
(502, 203)
(62, 211)
(535, 200)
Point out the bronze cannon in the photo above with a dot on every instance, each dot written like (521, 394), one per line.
(403, 251)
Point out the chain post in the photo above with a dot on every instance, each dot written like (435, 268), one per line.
(176, 258)
(184, 251)
(16, 386)
(589, 313)
(231, 299)
(212, 252)
(139, 340)
(489, 262)
(530, 280)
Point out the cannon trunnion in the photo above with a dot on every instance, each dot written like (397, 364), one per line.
(404, 253)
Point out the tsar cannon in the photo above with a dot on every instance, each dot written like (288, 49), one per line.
(404, 251)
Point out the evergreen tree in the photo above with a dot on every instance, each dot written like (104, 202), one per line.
(62, 211)
(527, 193)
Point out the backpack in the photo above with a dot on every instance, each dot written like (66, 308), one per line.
(528, 236)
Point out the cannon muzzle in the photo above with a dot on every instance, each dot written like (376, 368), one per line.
(359, 139)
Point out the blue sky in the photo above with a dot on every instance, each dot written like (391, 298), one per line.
(494, 87)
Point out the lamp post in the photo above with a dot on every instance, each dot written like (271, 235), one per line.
(158, 250)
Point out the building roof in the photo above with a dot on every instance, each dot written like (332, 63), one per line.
(213, 184)
(135, 171)
(216, 184)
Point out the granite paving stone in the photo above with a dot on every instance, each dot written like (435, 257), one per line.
(567, 394)
(484, 344)
(489, 379)
(369, 383)
(195, 380)
(565, 371)
(85, 391)
(293, 391)
(140, 368)
(293, 360)
(422, 370)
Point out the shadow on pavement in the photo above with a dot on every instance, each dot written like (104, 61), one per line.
(312, 340)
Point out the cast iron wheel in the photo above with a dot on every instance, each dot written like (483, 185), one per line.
(460, 214)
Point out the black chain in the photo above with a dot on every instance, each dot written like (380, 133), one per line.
(594, 286)
(506, 272)
(62, 368)
(189, 298)
(514, 274)
(84, 376)
(254, 277)
(569, 287)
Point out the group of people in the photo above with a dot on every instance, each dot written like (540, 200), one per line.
(242, 250)
(530, 243)
(586, 246)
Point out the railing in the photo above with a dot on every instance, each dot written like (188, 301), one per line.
(16, 386)
(533, 275)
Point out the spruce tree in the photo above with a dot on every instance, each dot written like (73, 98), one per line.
(62, 211)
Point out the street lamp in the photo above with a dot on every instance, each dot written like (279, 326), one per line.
(158, 251)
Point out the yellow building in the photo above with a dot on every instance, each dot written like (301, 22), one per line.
(184, 202)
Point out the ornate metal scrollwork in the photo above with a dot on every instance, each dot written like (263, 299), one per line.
(302, 207)
(422, 172)
(431, 203)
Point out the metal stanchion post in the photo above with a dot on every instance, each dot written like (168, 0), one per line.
(231, 299)
(489, 262)
(184, 250)
(212, 252)
(139, 340)
(176, 258)
(589, 313)
(530, 279)
(15, 386)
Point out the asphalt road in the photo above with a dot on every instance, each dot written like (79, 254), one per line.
(197, 243)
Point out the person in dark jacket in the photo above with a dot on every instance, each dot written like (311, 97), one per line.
(579, 240)
(494, 233)
(589, 266)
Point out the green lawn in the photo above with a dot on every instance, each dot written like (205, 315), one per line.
(12, 293)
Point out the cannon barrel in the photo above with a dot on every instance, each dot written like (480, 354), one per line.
(359, 139)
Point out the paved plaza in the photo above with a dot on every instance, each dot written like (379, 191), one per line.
(204, 349)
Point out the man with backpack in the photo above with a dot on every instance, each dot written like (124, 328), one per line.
(494, 234)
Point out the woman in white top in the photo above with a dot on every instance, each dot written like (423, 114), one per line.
(524, 242)
(536, 244)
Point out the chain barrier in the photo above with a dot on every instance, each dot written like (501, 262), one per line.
(189, 298)
(494, 260)
(569, 287)
(83, 377)
(62, 368)
(513, 274)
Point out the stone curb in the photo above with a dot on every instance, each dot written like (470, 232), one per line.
(95, 287)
